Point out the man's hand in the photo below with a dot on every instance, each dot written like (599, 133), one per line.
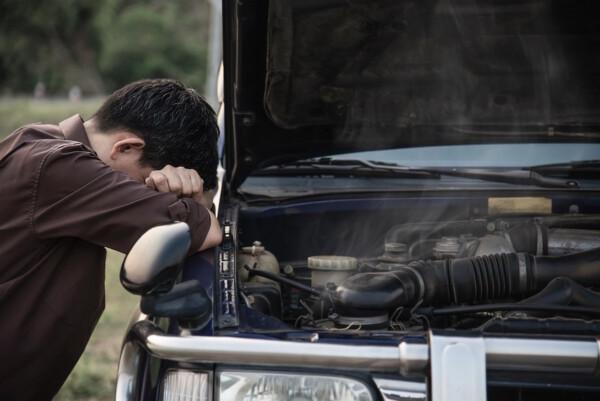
(187, 183)
(184, 182)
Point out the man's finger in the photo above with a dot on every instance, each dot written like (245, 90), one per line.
(173, 180)
(150, 183)
(186, 182)
(197, 183)
(160, 181)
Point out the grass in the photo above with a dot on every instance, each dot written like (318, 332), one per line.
(93, 378)
(15, 112)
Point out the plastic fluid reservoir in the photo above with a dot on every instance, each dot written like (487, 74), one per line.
(331, 269)
(256, 254)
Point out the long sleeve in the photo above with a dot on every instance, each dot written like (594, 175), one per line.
(77, 195)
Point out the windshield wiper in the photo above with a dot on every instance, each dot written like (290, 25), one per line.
(358, 167)
(347, 168)
(512, 176)
(578, 169)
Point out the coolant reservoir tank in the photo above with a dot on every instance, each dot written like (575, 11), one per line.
(256, 254)
(331, 269)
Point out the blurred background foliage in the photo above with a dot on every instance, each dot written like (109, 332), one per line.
(96, 46)
(99, 45)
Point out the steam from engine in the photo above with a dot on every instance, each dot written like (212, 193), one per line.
(540, 261)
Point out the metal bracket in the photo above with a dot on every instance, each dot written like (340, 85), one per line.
(226, 292)
(458, 369)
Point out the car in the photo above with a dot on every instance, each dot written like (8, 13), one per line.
(410, 209)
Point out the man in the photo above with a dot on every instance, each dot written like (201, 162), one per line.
(70, 190)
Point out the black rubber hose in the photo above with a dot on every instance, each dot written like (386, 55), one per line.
(468, 280)
(505, 276)
(282, 280)
(481, 279)
(583, 267)
(564, 291)
(529, 238)
(379, 290)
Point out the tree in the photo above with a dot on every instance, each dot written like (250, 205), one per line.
(50, 41)
(146, 42)
(100, 44)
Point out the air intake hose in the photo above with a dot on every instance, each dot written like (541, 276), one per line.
(468, 280)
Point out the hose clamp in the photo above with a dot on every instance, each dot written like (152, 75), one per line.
(540, 240)
(522, 259)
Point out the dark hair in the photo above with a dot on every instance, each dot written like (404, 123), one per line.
(178, 126)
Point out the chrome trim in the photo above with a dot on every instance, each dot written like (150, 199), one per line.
(522, 354)
(458, 370)
(129, 360)
(127, 375)
(401, 390)
(250, 351)
(413, 358)
(566, 356)
(597, 367)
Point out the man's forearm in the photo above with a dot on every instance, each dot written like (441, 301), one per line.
(214, 235)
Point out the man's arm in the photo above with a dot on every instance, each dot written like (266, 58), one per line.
(77, 195)
(187, 183)
(214, 235)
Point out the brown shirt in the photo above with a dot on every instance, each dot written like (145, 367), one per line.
(59, 207)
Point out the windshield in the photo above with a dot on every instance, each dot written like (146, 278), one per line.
(540, 165)
(489, 155)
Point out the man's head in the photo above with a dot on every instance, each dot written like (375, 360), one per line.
(151, 123)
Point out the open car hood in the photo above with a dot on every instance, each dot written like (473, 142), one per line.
(318, 77)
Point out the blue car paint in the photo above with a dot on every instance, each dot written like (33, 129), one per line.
(561, 203)
(200, 266)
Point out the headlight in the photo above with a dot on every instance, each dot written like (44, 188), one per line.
(183, 385)
(267, 386)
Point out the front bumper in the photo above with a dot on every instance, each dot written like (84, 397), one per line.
(520, 354)
(454, 366)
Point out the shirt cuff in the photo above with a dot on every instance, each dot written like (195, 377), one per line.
(197, 218)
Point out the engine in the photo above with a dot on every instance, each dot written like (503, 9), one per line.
(462, 274)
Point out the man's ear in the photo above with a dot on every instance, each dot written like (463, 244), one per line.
(127, 147)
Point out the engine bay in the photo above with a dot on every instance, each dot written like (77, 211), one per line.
(525, 273)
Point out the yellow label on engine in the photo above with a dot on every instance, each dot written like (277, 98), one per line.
(519, 205)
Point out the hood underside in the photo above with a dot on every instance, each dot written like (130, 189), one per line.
(311, 78)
